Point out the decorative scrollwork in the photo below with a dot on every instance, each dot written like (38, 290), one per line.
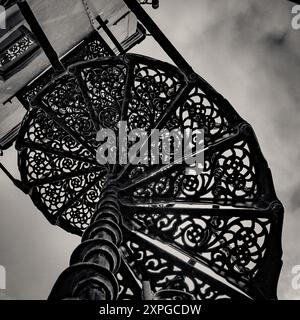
(59, 169)
(95, 48)
(52, 197)
(167, 272)
(197, 112)
(200, 112)
(230, 245)
(64, 99)
(105, 87)
(17, 49)
(42, 165)
(91, 48)
(228, 174)
(57, 159)
(40, 130)
(152, 93)
(129, 288)
(125, 292)
(79, 214)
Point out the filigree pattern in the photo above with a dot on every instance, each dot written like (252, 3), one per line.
(125, 293)
(56, 195)
(152, 93)
(167, 272)
(228, 174)
(105, 87)
(32, 90)
(79, 214)
(42, 165)
(91, 48)
(200, 112)
(230, 245)
(58, 162)
(17, 49)
(42, 131)
(95, 48)
(59, 169)
(129, 288)
(64, 99)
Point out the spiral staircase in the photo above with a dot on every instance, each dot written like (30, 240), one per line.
(149, 231)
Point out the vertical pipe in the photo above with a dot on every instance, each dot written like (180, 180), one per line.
(110, 34)
(41, 36)
(95, 262)
(158, 35)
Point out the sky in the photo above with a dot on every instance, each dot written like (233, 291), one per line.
(248, 51)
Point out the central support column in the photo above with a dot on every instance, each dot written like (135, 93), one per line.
(94, 263)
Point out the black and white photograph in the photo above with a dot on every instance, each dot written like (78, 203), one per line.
(149, 151)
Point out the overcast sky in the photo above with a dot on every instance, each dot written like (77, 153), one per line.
(248, 51)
